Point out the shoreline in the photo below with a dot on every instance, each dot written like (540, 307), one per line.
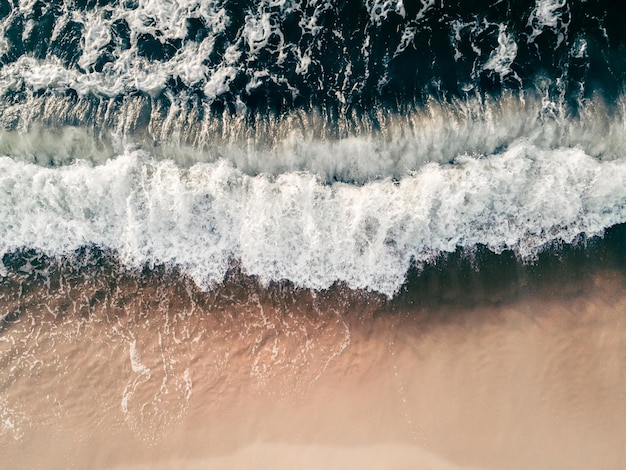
(141, 372)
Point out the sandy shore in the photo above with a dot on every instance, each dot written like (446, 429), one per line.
(155, 374)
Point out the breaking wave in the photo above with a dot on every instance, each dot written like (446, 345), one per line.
(307, 141)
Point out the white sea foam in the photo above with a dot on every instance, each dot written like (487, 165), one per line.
(123, 69)
(292, 226)
(549, 14)
(502, 57)
(380, 9)
(166, 21)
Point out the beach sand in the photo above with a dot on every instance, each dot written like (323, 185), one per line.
(104, 371)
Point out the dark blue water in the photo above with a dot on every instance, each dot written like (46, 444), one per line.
(280, 55)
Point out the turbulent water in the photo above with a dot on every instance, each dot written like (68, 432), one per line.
(311, 142)
(302, 145)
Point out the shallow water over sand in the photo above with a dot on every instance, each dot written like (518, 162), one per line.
(110, 370)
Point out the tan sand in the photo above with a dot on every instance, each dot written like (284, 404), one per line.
(125, 374)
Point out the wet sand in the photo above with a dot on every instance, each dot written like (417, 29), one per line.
(126, 372)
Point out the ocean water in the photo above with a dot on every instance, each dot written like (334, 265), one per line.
(216, 205)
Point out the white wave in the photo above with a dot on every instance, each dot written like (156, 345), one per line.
(294, 227)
